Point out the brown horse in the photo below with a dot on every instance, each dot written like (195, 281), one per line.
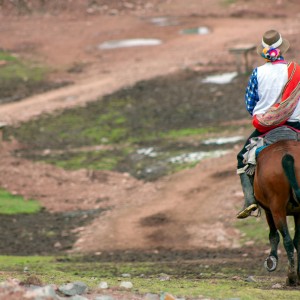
(277, 191)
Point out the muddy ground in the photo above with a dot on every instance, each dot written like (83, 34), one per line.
(191, 212)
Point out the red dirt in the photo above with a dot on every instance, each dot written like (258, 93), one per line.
(191, 209)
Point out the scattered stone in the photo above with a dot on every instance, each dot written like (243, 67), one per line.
(113, 12)
(277, 286)
(103, 285)
(164, 277)
(126, 285)
(46, 292)
(72, 289)
(126, 275)
(250, 279)
(57, 245)
(236, 278)
(77, 297)
(105, 297)
(249, 243)
(151, 297)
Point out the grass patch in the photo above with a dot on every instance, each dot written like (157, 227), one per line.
(254, 229)
(94, 160)
(187, 132)
(257, 230)
(171, 114)
(11, 204)
(20, 78)
(16, 69)
(146, 277)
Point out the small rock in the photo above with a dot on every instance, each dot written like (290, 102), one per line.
(126, 285)
(77, 297)
(113, 12)
(72, 289)
(105, 297)
(236, 278)
(151, 297)
(126, 275)
(103, 285)
(57, 245)
(46, 292)
(277, 286)
(250, 279)
(164, 277)
(249, 243)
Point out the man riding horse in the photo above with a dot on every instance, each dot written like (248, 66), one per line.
(271, 98)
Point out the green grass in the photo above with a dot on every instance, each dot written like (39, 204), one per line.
(189, 132)
(228, 2)
(254, 229)
(17, 69)
(212, 285)
(11, 204)
(6, 56)
(96, 160)
(257, 230)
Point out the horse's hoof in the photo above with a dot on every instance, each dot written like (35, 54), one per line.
(270, 263)
(291, 280)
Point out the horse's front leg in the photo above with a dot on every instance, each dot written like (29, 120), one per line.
(281, 224)
(274, 238)
(297, 244)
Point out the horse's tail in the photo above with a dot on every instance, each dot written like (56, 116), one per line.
(288, 164)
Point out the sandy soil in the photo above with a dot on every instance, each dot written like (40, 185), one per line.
(191, 209)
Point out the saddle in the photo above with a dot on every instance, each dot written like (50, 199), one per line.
(280, 134)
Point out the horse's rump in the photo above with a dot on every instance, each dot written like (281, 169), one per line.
(271, 179)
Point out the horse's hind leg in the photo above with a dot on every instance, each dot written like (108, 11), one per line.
(281, 225)
(274, 238)
(297, 243)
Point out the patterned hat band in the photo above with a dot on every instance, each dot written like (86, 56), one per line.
(275, 45)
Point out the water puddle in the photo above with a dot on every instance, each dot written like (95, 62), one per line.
(197, 156)
(220, 79)
(147, 152)
(224, 140)
(197, 30)
(164, 21)
(114, 44)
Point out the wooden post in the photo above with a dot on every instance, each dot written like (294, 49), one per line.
(241, 53)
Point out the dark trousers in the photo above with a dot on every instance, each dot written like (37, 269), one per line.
(257, 133)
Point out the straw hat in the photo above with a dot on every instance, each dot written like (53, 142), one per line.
(272, 38)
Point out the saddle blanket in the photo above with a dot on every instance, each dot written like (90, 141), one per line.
(259, 143)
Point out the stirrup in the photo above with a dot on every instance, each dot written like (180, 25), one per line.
(246, 212)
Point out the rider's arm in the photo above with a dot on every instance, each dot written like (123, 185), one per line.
(251, 96)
